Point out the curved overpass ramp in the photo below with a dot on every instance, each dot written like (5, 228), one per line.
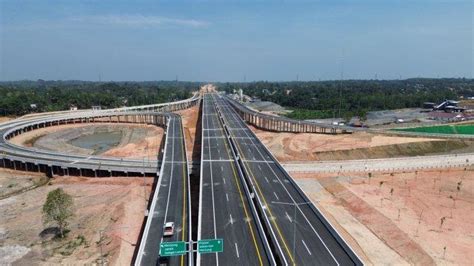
(31, 159)
(171, 198)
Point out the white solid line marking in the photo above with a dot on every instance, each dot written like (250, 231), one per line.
(314, 230)
(307, 249)
(236, 250)
(276, 196)
(227, 196)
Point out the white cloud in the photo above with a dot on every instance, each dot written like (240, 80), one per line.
(139, 21)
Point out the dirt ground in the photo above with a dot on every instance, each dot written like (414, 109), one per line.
(5, 118)
(315, 147)
(190, 117)
(14, 182)
(138, 141)
(114, 205)
(400, 218)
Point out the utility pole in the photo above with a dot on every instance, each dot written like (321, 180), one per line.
(144, 187)
(340, 87)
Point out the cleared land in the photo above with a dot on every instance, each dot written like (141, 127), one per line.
(446, 129)
(14, 182)
(190, 118)
(5, 119)
(114, 205)
(134, 141)
(300, 147)
(400, 218)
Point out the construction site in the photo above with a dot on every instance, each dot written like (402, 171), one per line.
(386, 214)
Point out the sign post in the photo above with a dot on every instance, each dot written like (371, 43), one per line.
(210, 245)
(179, 248)
(172, 248)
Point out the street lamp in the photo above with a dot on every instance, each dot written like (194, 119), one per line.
(294, 220)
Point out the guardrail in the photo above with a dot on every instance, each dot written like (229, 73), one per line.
(318, 213)
(31, 159)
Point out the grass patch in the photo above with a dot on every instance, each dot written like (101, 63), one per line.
(70, 246)
(303, 114)
(31, 142)
(467, 129)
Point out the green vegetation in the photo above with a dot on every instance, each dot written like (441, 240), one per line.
(467, 129)
(69, 247)
(58, 209)
(303, 114)
(17, 97)
(353, 97)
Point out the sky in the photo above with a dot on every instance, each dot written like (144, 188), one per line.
(235, 40)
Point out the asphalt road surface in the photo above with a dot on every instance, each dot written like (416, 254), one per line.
(297, 229)
(170, 201)
(224, 211)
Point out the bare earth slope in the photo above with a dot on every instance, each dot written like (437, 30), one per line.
(361, 145)
(416, 214)
(114, 205)
(395, 218)
(137, 141)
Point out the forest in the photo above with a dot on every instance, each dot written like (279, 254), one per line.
(308, 99)
(328, 99)
(17, 97)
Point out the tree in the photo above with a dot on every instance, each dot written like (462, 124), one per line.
(58, 209)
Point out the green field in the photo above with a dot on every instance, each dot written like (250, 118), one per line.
(467, 129)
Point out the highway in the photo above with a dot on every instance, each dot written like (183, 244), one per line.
(301, 235)
(225, 211)
(170, 201)
(245, 195)
(171, 198)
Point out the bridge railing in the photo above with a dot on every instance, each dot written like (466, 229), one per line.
(283, 124)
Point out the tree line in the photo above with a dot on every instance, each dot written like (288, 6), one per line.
(327, 99)
(17, 97)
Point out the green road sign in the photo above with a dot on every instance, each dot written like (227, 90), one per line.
(210, 245)
(172, 248)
